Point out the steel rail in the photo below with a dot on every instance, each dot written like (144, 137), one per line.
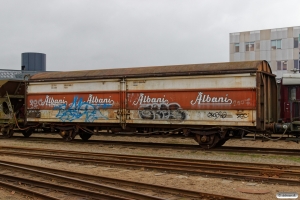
(27, 191)
(206, 169)
(153, 158)
(124, 194)
(223, 149)
(77, 191)
(82, 176)
(257, 150)
(214, 170)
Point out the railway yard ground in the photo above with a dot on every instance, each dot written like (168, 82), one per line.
(227, 186)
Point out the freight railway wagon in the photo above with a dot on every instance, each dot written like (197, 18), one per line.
(208, 102)
(290, 97)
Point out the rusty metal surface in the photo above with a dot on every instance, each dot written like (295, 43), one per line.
(186, 83)
(85, 86)
(170, 70)
(76, 101)
(194, 117)
(224, 94)
(266, 91)
(85, 100)
(12, 88)
(192, 100)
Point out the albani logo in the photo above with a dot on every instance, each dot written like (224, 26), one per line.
(147, 99)
(205, 98)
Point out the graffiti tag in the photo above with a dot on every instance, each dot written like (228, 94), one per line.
(48, 101)
(78, 108)
(242, 115)
(242, 102)
(161, 111)
(217, 115)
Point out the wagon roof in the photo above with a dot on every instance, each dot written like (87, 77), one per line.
(158, 71)
(290, 79)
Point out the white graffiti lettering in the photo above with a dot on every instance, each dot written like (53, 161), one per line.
(203, 98)
(242, 102)
(147, 99)
(50, 101)
(95, 100)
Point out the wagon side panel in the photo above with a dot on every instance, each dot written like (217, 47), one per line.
(77, 101)
(228, 100)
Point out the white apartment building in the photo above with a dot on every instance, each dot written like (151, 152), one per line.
(279, 46)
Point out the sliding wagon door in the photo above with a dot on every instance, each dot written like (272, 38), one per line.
(195, 100)
(95, 101)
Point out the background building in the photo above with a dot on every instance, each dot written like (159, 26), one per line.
(279, 46)
(31, 64)
(33, 61)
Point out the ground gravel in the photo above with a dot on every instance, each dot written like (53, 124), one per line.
(191, 182)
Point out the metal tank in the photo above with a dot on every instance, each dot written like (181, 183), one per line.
(33, 61)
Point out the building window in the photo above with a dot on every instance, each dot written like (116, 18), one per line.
(296, 64)
(249, 46)
(257, 45)
(295, 42)
(236, 47)
(275, 44)
(292, 93)
(278, 65)
(282, 65)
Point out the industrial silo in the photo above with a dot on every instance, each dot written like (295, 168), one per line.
(33, 61)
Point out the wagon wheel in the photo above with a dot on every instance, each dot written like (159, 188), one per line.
(209, 141)
(85, 136)
(221, 142)
(7, 132)
(68, 135)
(27, 133)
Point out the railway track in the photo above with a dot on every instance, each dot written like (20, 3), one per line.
(95, 187)
(234, 149)
(279, 174)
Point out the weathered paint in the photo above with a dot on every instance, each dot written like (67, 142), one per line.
(96, 116)
(71, 107)
(74, 86)
(158, 71)
(59, 100)
(185, 94)
(204, 100)
(224, 117)
(78, 101)
(193, 82)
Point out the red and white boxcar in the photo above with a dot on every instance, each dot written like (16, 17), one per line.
(205, 101)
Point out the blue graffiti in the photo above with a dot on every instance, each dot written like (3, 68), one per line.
(78, 108)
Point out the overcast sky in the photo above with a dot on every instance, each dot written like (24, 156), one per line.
(98, 34)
